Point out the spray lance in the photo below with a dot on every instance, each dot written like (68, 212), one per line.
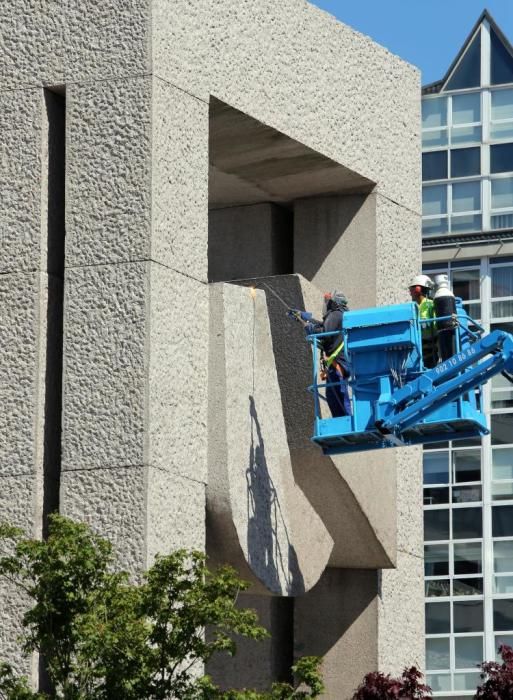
(305, 319)
(302, 317)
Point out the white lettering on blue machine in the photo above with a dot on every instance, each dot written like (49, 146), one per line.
(454, 361)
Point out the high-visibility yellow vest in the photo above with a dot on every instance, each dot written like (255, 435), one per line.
(427, 310)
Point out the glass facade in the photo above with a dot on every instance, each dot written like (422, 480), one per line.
(467, 173)
(467, 140)
(468, 510)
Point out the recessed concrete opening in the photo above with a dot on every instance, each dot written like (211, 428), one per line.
(256, 175)
(54, 206)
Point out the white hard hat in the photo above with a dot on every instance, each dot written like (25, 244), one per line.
(422, 281)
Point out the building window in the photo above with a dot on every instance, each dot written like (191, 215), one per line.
(502, 430)
(501, 126)
(434, 165)
(466, 206)
(465, 126)
(453, 561)
(503, 615)
(466, 119)
(502, 521)
(466, 284)
(502, 202)
(467, 73)
(501, 158)
(503, 567)
(434, 122)
(465, 162)
(501, 61)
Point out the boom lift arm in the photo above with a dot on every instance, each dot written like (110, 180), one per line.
(446, 382)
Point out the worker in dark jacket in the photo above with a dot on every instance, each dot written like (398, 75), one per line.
(337, 369)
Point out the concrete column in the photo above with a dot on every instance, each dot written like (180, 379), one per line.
(259, 664)
(402, 588)
(30, 292)
(369, 247)
(136, 330)
(338, 621)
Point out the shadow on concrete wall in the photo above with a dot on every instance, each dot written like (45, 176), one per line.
(340, 611)
(310, 256)
(265, 516)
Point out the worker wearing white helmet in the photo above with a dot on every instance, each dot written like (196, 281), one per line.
(420, 289)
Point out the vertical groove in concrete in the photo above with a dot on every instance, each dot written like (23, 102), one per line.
(55, 206)
(282, 641)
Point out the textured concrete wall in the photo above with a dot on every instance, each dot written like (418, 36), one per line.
(361, 109)
(402, 588)
(330, 233)
(73, 41)
(27, 283)
(134, 394)
(250, 241)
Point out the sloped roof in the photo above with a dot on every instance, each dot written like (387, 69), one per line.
(437, 86)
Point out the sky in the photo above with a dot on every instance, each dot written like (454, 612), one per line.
(427, 33)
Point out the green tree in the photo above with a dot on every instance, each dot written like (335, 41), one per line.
(105, 637)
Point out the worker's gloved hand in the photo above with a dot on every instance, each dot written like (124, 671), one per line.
(297, 313)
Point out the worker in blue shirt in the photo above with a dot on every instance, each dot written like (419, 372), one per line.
(337, 369)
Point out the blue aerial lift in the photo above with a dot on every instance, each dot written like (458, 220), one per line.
(395, 400)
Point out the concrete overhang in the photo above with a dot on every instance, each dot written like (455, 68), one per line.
(251, 162)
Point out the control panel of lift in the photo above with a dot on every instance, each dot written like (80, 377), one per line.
(395, 400)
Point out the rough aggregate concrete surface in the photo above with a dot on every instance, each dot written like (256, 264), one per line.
(19, 376)
(20, 504)
(361, 110)
(112, 501)
(179, 180)
(67, 40)
(105, 366)
(178, 364)
(108, 170)
(20, 179)
(401, 615)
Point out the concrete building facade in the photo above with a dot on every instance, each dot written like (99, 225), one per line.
(157, 159)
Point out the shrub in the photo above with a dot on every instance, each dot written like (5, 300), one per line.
(378, 686)
(103, 637)
(498, 678)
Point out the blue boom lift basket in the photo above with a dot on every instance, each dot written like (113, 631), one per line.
(395, 400)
